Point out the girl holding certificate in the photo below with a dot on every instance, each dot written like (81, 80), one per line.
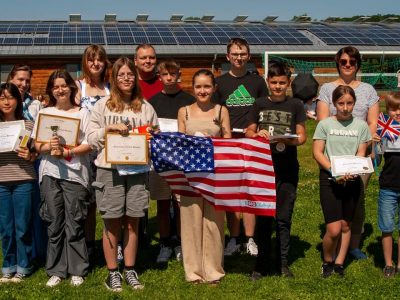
(64, 185)
(340, 134)
(17, 180)
(202, 226)
(92, 87)
(120, 189)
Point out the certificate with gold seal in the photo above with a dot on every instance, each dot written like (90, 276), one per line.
(131, 149)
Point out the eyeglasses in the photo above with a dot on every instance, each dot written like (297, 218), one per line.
(122, 76)
(352, 62)
(236, 55)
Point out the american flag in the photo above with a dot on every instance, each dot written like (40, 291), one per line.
(388, 128)
(232, 174)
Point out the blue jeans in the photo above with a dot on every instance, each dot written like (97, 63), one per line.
(388, 203)
(15, 227)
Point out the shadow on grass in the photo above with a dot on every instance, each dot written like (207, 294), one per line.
(245, 264)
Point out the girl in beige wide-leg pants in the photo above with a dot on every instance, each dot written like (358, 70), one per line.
(202, 230)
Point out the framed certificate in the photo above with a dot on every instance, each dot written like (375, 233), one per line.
(350, 164)
(66, 128)
(9, 134)
(131, 149)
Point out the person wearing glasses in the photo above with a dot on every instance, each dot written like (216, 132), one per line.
(348, 63)
(237, 90)
(64, 185)
(121, 195)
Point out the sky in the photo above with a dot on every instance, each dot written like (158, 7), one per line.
(222, 10)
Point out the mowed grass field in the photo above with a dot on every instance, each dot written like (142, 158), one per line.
(363, 279)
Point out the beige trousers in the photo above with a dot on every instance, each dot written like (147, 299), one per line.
(202, 235)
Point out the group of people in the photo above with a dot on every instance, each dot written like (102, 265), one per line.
(76, 181)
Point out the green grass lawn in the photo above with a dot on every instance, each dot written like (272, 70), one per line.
(363, 278)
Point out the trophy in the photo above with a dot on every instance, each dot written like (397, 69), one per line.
(55, 151)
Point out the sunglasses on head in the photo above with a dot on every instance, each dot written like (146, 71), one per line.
(343, 62)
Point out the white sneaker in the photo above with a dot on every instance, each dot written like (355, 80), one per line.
(6, 278)
(76, 280)
(53, 281)
(231, 248)
(164, 255)
(251, 247)
(178, 253)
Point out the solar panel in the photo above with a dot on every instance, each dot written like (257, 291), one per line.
(25, 41)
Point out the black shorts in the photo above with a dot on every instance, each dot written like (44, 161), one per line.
(338, 201)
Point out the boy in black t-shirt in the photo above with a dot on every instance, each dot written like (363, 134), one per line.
(273, 117)
(166, 104)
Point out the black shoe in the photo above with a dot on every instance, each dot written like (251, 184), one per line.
(389, 271)
(339, 269)
(285, 272)
(132, 279)
(114, 281)
(255, 276)
(327, 270)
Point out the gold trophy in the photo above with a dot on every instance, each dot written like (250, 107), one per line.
(55, 151)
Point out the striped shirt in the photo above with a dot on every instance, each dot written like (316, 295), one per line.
(14, 168)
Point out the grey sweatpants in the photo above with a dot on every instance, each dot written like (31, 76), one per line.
(64, 207)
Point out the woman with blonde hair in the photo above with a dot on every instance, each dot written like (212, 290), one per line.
(120, 191)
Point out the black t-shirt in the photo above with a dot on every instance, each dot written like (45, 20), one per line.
(167, 105)
(279, 118)
(238, 95)
(389, 177)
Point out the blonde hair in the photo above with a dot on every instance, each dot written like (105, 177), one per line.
(392, 101)
(115, 102)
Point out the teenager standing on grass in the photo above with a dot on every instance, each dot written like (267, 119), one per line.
(389, 189)
(92, 87)
(17, 181)
(120, 191)
(278, 114)
(64, 186)
(340, 134)
(202, 226)
(166, 104)
(348, 63)
(21, 76)
(237, 90)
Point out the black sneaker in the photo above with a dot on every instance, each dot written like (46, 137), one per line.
(285, 272)
(132, 279)
(339, 269)
(389, 271)
(327, 270)
(114, 281)
(255, 276)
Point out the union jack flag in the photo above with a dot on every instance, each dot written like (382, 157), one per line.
(388, 128)
(232, 174)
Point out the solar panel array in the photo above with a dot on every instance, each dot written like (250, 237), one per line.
(357, 35)
(128, 33)
(132, 33)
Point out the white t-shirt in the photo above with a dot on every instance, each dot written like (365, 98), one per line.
(77, 170)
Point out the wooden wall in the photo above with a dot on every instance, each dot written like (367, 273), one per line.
(42, 67)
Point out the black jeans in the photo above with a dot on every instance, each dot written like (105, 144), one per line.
(286, 196)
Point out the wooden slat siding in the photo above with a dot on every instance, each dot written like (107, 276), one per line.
(43, 66)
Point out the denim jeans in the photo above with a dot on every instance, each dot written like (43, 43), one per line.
(15, 227)
(388, 205)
